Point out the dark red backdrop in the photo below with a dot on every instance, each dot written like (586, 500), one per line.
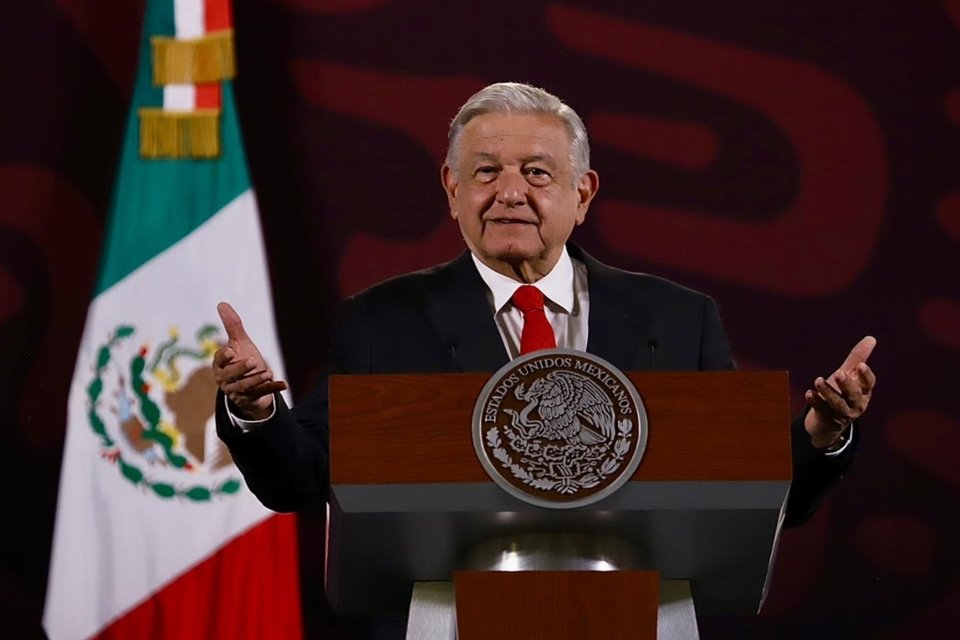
(798, 161)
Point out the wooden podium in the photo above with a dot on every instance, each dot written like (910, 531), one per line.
(410, 500)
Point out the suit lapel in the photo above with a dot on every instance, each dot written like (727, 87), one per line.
(460, 313)
(614, 328)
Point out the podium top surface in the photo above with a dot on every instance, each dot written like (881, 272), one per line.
(703, 426)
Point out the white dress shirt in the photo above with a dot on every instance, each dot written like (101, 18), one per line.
(566, 303)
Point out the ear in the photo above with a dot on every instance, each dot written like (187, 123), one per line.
(587, 187)
(450, 184)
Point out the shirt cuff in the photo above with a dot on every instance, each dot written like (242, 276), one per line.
(847, 438)
(247, 426)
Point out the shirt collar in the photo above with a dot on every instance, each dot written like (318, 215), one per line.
(556, 286)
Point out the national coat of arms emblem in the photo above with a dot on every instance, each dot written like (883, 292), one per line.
(151, 408)
(559, 428)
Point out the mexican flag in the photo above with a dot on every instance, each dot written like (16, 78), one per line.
(156, 534)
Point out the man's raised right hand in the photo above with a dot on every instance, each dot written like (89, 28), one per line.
(241, 372)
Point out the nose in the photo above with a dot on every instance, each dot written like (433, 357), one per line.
(511, 189)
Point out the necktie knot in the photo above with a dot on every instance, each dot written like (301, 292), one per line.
(528, 298)
(537, 332)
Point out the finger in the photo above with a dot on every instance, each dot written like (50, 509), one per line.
(252, 377)
(243, 382)
(223, 356)
(833, 402)
(860, 353)
(237, 371)
(850, 391)
(253, 394)
(831, 382)
(825, 413)
(821, 422)
(274, 386)
(868, 380)
(231, 322)
(257, 391)
(819, 404)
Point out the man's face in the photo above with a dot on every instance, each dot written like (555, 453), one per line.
(514, 194)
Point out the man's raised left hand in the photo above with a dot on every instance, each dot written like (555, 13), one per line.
(840, 399)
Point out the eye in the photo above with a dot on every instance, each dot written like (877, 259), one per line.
(486, 173)
(537, 175)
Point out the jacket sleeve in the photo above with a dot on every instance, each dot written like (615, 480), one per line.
(286, 460)
(814, 472)
(284, 464)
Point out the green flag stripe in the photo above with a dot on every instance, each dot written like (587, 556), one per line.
(158, 202)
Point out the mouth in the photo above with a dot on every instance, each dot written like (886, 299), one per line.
(509, 221)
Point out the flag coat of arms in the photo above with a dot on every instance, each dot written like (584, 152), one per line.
(156, 534)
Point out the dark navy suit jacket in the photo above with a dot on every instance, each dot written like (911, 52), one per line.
(439, 320)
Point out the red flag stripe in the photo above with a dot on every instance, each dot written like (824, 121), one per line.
(218, 15)
(207, 96)
(241, 592)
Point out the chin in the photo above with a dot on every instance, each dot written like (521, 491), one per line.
(514, 254)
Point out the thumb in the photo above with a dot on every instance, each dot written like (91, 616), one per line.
(860, 352)
(231, 323)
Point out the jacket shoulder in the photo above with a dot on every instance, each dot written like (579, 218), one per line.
(635, 285)
(410, 286)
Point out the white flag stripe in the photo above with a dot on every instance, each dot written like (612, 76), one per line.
(189, 16)
(179, 97)
(106, 524)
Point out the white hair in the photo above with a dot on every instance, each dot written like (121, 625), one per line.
(515, 97)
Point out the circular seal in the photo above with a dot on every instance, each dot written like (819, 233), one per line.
(150, 405)
(559, 428)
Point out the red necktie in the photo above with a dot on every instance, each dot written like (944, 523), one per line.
(537, 332)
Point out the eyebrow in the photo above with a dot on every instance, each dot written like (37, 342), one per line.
(539, 157)
(547, 159)
(483, 155)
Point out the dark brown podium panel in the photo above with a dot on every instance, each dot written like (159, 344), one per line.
(548, 605)
(409, 498)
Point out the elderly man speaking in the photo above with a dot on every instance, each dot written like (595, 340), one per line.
(518, 181)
